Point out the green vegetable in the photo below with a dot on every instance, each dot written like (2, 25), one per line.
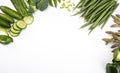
(96, 12)
(10, 12)
(4, 39)
(42, 5)
(32, 5)
(16, 27)
(113, 68)
(28, 19)
(13, 34)
(50, 3)
(21, 24)
(15, 31)
(4, 24)
(6, 18)
(21, 7)
(54, 3)
(32, 9)
(117, 55)
(4, 30)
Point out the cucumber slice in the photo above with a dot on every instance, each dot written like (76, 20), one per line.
(15, 27)
(14, 31)
(28, 19)
(13, 34)
(21, 24)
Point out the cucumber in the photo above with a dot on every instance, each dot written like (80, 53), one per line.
(15, 27)
(28, 19)
(4, 24)
(5, 39)
(13, 34)
(4, 30)
(11, 12)
(21, 24)
(14, 31)
(6, 18)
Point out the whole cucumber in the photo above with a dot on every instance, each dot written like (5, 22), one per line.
(6, 18)
(4, 24)
(11, 12)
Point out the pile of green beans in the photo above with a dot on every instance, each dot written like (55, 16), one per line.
(95, 12)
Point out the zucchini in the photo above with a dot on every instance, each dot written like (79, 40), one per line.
(4, 24)
(13, 34)
(11, 12)
(21, 24)
(28, 19)
(6, 18)
(15, 27)
(14, 31)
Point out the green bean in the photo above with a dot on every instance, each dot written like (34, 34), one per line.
(100, 12)
(102, 15)
(96, 12)
(90, 19)
(92, 6)
(111, 11)
(92, 9)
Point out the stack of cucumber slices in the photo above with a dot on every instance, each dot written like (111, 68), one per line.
(18, 26)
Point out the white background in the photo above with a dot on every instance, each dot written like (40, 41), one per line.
(55, 44)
